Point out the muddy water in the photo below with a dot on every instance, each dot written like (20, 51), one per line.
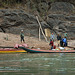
(37, 64)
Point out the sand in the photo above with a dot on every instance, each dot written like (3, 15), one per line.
(9, 40)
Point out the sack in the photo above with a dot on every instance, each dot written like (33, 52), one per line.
(25, 45)
(54, 47)
(16, 46)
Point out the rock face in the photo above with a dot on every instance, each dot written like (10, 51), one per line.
(13, 20)
(60, 24)
(62, 18)
(61, 7)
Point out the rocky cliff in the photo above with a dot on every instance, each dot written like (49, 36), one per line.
(58, 16)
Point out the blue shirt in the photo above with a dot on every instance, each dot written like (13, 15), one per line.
(64, 40)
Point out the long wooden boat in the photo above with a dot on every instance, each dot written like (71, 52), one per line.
(47, 51)
(11, 50)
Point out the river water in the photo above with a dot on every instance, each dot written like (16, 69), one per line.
(37, 64)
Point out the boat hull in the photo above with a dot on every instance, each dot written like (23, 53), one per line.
(47, 51)
(11, 50)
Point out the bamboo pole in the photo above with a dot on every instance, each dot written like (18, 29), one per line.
(39, 35)
(40, 27)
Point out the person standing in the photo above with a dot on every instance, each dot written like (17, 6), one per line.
(65, 34)
(22, 36)
(52, 37)
(58, 39)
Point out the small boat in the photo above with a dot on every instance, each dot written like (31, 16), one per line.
(46, 51)
(11, 50)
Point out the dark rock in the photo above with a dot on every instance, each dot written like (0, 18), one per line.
(70, 18)
(43, 7)
(56, 16)
(1, 14)
(15, 20)
(61, 7)
(53, 22)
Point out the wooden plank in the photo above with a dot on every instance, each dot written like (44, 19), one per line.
(47, 32)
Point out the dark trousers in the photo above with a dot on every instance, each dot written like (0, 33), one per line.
(65, 44)
(61, 43)
(22, 39)
(51, 47)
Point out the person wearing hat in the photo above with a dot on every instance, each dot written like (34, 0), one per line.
(22, 36)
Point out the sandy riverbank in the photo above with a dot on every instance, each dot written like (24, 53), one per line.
(7, 39)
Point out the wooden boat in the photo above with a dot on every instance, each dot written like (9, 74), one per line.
(47, 51)
(11, 50)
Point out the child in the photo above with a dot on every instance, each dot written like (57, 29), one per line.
(52, 44)
(64, 41)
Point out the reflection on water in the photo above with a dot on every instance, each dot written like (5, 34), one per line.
(37, 64)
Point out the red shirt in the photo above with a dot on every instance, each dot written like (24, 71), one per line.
(52, 44)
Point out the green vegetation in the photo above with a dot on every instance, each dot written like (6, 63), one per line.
(52, 0)
(9, 3)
